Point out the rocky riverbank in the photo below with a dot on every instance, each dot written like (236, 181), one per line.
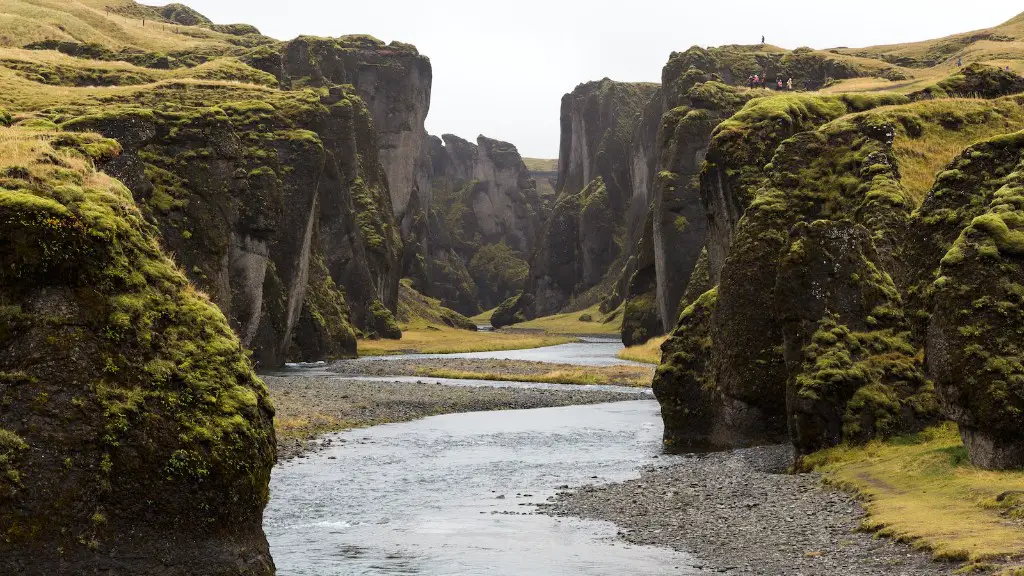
(739, 513)
(516, 370)
(309, 407)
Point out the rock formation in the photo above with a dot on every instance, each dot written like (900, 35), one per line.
(815, 328)
(596, 210)
(273, 202)
(134, 436)
(483, 225)
(394, 81)
(973, 339)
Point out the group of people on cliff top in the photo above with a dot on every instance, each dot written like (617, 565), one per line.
(761, 81)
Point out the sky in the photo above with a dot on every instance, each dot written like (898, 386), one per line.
(501, 68)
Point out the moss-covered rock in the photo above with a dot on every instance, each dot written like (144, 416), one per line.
(973, 344)
(975, 81)
(394, 81)
(741, 147)
(641, 319)
(692, 407)
(130, 416)
(598, 216)
(853, 374)
(510, 311)
(240, 181)
(484, 222)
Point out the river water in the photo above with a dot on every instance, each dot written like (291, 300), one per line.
(455, 495)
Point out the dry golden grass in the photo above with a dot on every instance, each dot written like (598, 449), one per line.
(922, 489)
(541, 164)
(571, 323)
(921, 159)
(648, 353)
(450, 341)
(26, 21)
(634, 376)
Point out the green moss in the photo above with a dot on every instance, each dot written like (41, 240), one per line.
(5, 117)
(382, 322)
(188, 386)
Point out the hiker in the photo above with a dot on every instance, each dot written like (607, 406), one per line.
(780, 83)
(960, 62)
(757, 80)
(750, 81)
(762, 40)
(789, 84)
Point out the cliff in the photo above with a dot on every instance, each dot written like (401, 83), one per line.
(132, 419)
(394, 81)
(821, 267)
(597, 215)
(483, 225)
(272, 201)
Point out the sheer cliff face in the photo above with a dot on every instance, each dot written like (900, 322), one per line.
(274, 203)
(484, 223)
(395, 82)
(597, 211)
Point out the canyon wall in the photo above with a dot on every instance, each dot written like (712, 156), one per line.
(484, 223)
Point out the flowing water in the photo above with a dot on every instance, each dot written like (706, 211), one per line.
(455, 495)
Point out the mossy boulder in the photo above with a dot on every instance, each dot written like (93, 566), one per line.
(975, 81)
(853, 374)
(510, 311)
(974, 335)
(130, 416)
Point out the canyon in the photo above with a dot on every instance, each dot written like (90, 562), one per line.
(833, 264)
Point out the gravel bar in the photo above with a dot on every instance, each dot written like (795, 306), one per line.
(739, 513)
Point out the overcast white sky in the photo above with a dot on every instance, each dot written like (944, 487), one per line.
(501, 68)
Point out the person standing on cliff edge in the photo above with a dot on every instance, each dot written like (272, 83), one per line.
(762, 40)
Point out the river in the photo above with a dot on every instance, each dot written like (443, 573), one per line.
(456, 494)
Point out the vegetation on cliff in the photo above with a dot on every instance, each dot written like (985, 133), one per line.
(131, 409)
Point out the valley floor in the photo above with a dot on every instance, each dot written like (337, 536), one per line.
(450, 340)
(309, 407)
(740, 513)
(501, 370)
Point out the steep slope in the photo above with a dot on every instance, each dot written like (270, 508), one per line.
(584, 243)
(394, 81)
(131, 418)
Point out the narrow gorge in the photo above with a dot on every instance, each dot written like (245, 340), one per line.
(792, 280)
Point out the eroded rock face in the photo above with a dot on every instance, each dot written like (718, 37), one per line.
(973, 339)
(130, 416)
(395, 82)
(596, 199)
(277, 208)
(852, 371)
(483, 226)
